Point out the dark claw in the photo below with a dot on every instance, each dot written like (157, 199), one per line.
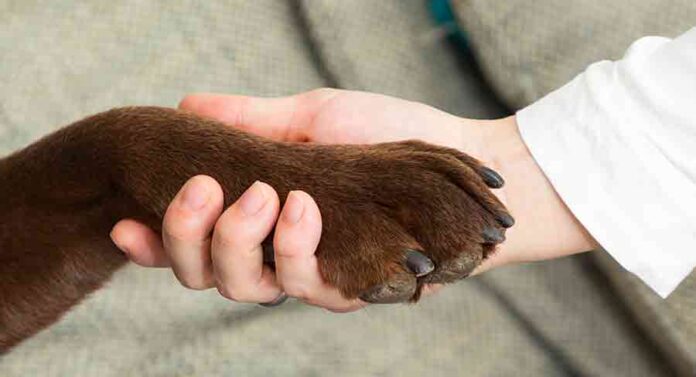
(505, 220)
(418, 263)
(493, 235)
(491, 178)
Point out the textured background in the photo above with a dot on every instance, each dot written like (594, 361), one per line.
(60, 61)
(529, 48)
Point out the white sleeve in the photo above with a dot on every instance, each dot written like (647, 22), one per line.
(618, 143)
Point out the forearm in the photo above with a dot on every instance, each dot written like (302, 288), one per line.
(545, 228)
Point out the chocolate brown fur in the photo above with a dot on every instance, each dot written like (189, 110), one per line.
(60, 197)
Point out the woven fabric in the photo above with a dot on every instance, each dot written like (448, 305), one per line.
(529, 48)
(61, 61)
(393, 48)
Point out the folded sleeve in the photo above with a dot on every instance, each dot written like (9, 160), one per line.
(618, 143)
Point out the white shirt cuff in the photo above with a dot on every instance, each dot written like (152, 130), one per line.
(589, 141)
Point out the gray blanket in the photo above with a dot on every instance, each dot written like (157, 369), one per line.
(60, 61)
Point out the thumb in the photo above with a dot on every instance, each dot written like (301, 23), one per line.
(282, 118)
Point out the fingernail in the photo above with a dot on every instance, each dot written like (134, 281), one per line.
(506, 220)
(493, 235)
(418, 263)
(195, 195)
(491, 178)
(294, 207)
(253, 199)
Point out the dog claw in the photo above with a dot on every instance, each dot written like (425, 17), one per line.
(418, 263)
(505, 220)
(491, 178)
(493, 235)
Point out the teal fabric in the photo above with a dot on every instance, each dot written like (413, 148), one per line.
(443, 14)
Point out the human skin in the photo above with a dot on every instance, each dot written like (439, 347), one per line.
(544, 228)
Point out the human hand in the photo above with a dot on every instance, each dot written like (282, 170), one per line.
(545, 228)
(230, 259)
(202, 261)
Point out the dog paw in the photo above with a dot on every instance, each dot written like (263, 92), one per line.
(395, 215)
(399, 215)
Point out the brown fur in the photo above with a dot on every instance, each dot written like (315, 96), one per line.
(60, 197)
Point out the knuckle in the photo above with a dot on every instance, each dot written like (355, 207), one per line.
(224, 228)
(179, 227)
(286, 246)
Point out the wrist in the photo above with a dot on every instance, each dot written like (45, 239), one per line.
(545, 227)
